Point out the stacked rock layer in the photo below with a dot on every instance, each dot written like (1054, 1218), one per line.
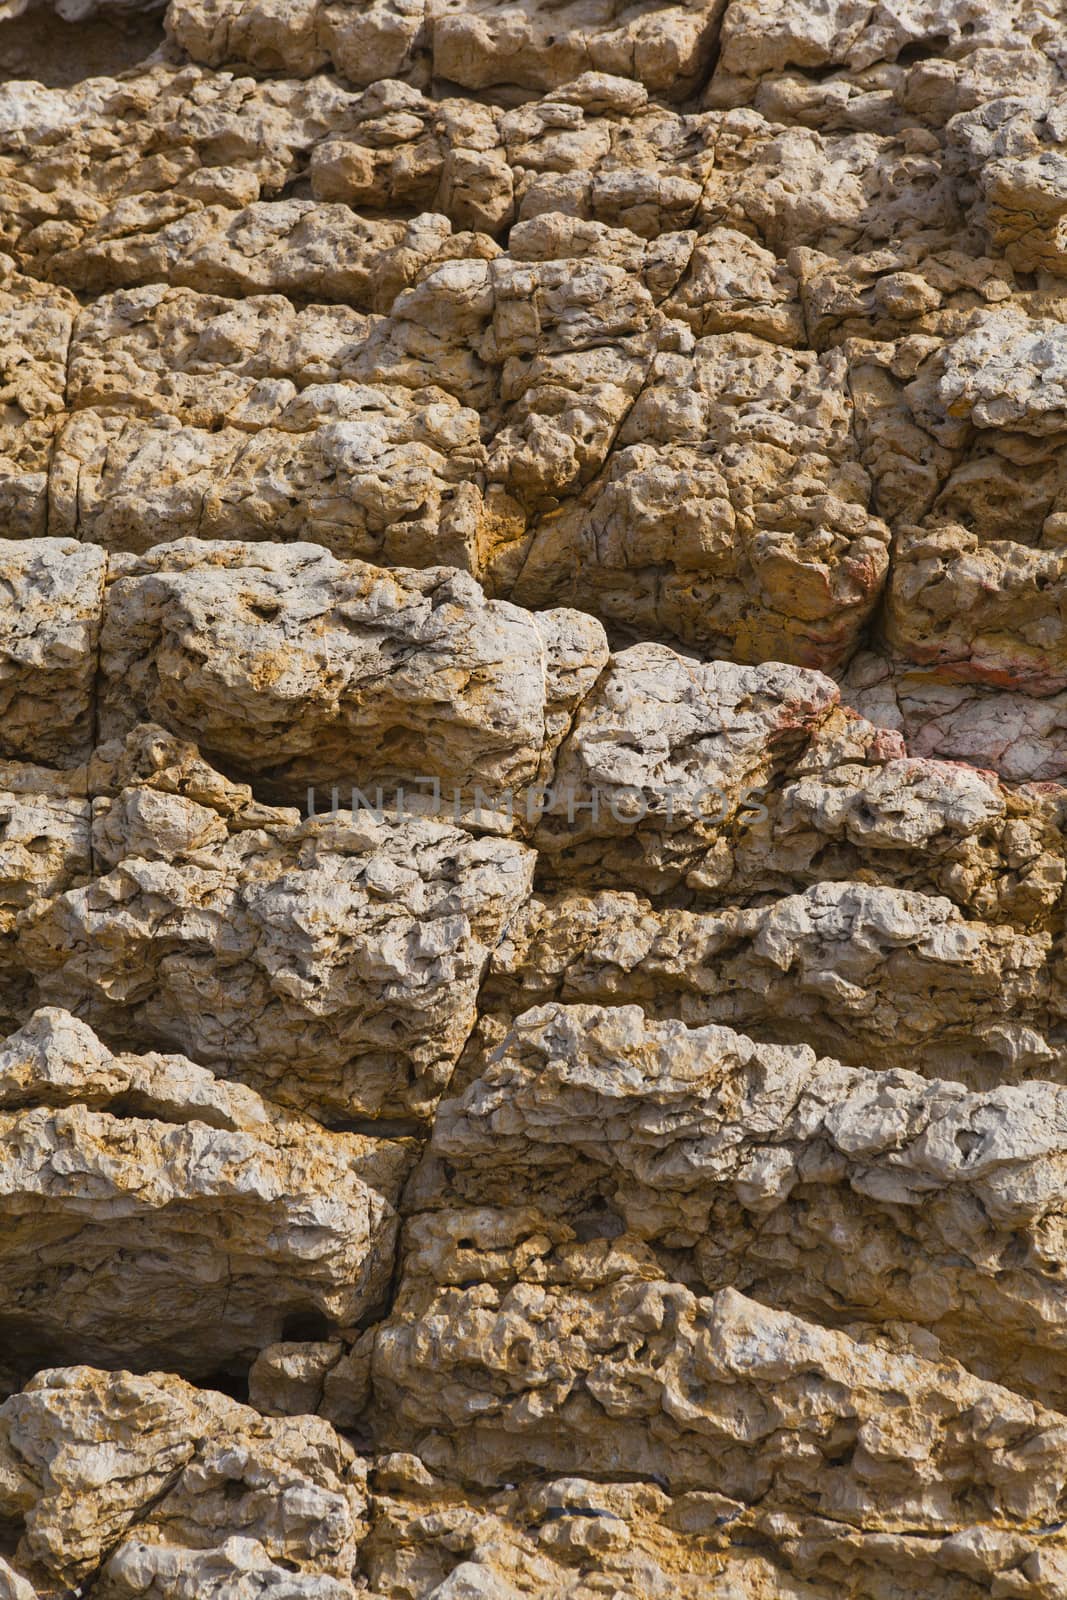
(533, 847)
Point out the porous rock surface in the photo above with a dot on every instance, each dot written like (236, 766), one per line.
(533, 825)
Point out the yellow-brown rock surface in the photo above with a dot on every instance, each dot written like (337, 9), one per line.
(533, 838)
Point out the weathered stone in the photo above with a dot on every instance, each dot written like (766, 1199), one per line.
(551, 1356)
(875, 976)
(51, 593)
(851, 63)
(35, 327)
(206, 359)
(152, 1213)
(45, 847)
(1018, 735)
(303, 670)
(841, 1193)
(372, 472)
(733, 516)
(729, 781)
(1014, 148)
(145, 1485)
(482, 45)
(981, 612)
(345, 349)
(332, 964)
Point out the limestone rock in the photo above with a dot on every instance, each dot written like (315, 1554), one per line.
(532, 668)
(1009, 372)
(207, 359)
(1012, 148)
(572, 1537)
(484, 44)
(772, 553)
(195, 200)
(727, 781)
(577, 1358)
(878, 977)
(45, 848)
(51, 592)
(1022, 737)
(842, 1193)
(309, 671)
(980, 612)
(287, 1380)
(376, 473)
(334, 965)
(35, 327)
(145, 1485)
(154, 1213)
(850, 63)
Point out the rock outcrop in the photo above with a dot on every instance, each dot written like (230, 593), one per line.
(533, 824)
(155, 1215)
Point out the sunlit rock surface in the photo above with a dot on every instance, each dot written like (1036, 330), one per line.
(533, 727)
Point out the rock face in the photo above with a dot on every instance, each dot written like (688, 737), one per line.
(204, 1495)
(533, 825)
(155, 1214)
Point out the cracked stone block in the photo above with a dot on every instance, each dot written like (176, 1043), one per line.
(199, 1495)
(837, 1192)
(875, 976)
(153, 1213)
(51, 593)
(333, 965)
(303, 670)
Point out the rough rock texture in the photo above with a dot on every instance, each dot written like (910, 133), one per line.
(787, 1174)
(49, 638)
(533, 737)
(155, 1214)
(145, 1485)
(335, 967)
(865, 972)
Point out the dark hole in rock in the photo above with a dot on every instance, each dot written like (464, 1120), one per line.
(40, 45)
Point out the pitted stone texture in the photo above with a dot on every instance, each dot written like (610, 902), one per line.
(302, 670)
(368, 472)
(1022, 737)
(145, 1485)
(980, 611)
(575, 1538)
(1013, 148)
(152, 1213)
(35, 328)
(726, 781)
(484, 44)
(1009, 372)
(206, 359)
(595, 148)
(110, 183)
(51, 593)
(571, 1357)
(855, 193)
(877, 977)
(734, 285)
(45, 843)
(156, 798)
(703, 332)
(571, 1537)
(838, 1192)
(848, 62)
(113, 183)
(734, 513)
(332, 964)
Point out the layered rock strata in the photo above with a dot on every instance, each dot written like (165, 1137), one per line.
(533, 1023)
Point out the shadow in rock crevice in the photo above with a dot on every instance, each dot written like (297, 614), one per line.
(43, 47)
